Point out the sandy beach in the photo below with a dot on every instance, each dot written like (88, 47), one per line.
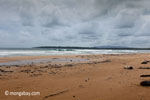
(76, 77)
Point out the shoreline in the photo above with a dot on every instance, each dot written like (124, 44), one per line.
(101, 77)
(18, 58)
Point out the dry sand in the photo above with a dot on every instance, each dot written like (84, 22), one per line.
(102, 77)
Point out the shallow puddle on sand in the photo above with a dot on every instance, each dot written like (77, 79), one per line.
(55, 60)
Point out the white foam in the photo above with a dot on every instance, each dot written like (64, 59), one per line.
(4, 53)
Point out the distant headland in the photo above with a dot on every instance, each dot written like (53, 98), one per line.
(95, 47)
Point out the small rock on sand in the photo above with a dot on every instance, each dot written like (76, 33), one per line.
(86, 80)
(145, 62)
(144, 68)
(145, 76)
(145, 83)
(128, 67)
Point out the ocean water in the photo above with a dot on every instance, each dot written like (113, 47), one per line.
(42, 52)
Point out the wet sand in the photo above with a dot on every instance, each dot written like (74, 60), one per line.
(82, 77)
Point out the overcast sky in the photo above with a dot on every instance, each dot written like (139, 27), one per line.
(30, 23)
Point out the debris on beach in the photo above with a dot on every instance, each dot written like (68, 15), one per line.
(26, 71)
(44, 67)
(35, 75)
(52, 72)
(145, 62)
(145, 76)
(15, 66)
(55, 94)
(144, 68)
(128, 67)
(4, 71)
(69, 65)
(145, 83)
(106, 61)
(81, 86)
(86, 80)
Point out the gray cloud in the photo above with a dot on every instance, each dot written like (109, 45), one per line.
(28, 23)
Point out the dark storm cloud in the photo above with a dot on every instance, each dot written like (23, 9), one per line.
(52, 23)
(27, 23)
